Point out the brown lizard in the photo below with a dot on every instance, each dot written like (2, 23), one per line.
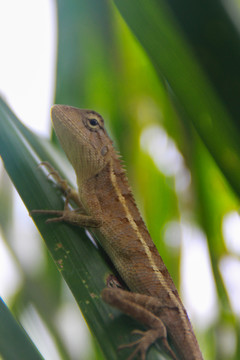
(108, 208)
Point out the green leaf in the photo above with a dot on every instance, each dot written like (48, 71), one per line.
(215, 41)
(174, 61)
(14, 342)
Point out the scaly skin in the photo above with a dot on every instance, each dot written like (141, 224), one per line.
(108, 207)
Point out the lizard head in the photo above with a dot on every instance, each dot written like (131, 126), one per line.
(83, 138)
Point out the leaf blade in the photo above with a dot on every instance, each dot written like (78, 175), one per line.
(14, 341)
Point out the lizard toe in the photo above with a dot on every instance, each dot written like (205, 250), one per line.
(143, 343)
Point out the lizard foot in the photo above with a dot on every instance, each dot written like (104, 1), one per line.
(113, 282)
(143, 343)
(52, 172)
(135, 305)
(70, 217)
(163, 340)
(62, 184)
(60, 214)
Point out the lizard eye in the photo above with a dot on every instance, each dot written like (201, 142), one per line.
(93, 122)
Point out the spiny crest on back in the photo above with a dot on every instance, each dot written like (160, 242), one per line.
(118, 163)
(120, 172)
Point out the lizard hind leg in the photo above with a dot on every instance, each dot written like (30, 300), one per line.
(127, 302)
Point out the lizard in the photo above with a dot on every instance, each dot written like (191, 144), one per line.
(107, 206)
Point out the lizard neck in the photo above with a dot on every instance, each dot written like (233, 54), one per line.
(99, 192)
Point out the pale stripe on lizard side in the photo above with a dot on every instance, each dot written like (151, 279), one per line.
(145, 246)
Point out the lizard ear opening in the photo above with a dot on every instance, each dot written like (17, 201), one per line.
(104, 150)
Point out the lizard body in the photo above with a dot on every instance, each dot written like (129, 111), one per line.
(108, 207)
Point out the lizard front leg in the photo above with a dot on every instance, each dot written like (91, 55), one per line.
(140, 307)
(71, 193)
(70, 216)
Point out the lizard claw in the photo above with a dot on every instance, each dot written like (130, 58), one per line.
(56, 219)
(138, 332)
(125, 346)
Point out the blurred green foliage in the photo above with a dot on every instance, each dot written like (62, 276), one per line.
(173, 67)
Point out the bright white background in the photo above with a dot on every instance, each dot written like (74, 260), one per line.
(28, 46)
